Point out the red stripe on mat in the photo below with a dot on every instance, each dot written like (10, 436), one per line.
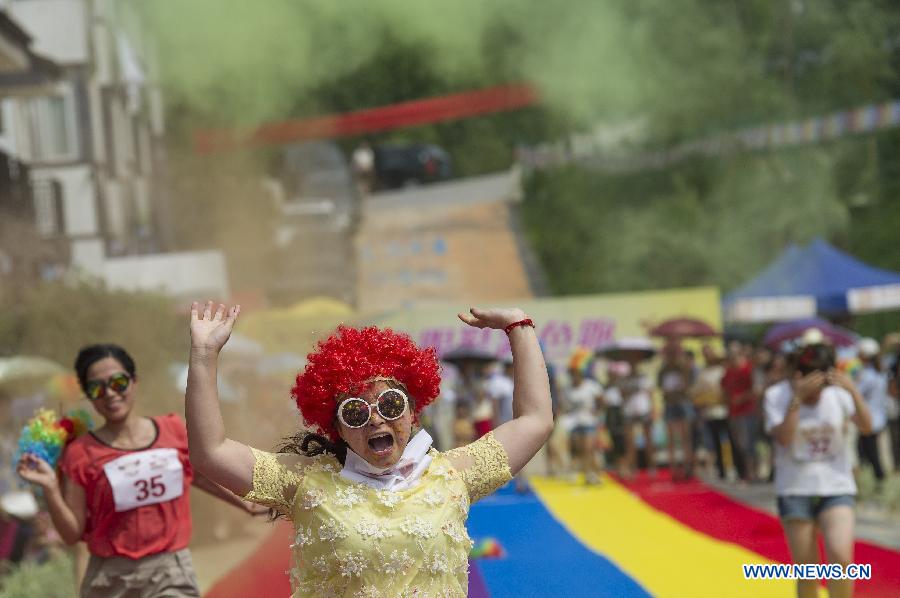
(263, 573)
(710, 512)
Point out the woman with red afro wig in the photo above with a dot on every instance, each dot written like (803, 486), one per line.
(377, 510)
(353, 356)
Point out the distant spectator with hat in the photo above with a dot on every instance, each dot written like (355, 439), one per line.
(873, 386)
(674, 379)
(891, 350)
(614, 414)
(498, 386)
(584, 400)
(363, 159)
(708, 397)
(637, 407)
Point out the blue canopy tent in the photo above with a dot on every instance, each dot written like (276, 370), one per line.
(818, 278)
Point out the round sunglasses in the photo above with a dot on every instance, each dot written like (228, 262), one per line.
(118, 383)
(355, 412)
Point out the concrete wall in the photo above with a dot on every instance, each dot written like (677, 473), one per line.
(450, 242)
(189, 275)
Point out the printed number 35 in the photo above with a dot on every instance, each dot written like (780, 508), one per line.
(147, 487)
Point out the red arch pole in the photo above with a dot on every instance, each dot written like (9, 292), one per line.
(372, 120)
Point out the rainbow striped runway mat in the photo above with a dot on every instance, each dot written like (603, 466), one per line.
(649, 537)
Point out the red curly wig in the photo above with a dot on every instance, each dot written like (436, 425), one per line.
(349, 358)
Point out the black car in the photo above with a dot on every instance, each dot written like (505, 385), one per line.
(411, 164)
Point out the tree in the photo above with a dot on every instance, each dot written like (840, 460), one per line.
(55, 320)
(685, 68)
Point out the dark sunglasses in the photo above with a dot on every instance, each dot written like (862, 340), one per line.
(355, 412)
(118, 383)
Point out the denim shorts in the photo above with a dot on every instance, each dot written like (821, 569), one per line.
(678, 412)
(810, 507)
(582, 430)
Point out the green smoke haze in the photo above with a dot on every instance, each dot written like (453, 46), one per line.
(687, 65)
(246, 61)
(683, 68)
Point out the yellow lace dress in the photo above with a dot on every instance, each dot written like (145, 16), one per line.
(354, 540)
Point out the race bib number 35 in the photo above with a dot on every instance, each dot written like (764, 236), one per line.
(145, 478)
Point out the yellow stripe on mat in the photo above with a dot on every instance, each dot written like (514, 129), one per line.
(665, 556)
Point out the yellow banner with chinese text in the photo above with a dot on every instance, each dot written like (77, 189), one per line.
(562, 323)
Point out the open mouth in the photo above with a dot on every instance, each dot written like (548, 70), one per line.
(381, 444)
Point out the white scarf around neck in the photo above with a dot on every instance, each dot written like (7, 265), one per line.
(401, 476)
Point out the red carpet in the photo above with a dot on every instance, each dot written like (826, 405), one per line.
(698, 506)
(263, 572)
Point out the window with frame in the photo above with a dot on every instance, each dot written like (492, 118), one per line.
(53, 128)
(48, 208)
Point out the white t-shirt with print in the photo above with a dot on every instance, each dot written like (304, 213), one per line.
(583, 403)
(636, 390)
(612, 397)
(816, 463)
(500, 388)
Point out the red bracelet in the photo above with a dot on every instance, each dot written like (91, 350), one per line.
(525, 322)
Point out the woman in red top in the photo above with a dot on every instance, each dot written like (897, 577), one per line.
(743, 421)
(124, 488)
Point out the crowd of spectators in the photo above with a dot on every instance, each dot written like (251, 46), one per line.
(697, 412)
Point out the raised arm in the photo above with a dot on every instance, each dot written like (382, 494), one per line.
(222, 460)
(210, 487)
(862, 417)
(532, 421)
(65, 499)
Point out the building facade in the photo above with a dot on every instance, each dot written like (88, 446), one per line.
(92, 143)
(27, 254)
(91, 140)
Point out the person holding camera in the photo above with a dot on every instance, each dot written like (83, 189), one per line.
(808, 418)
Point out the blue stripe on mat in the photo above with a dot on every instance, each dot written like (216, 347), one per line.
(542, 558)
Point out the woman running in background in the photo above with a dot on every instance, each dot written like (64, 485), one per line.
(124, 488)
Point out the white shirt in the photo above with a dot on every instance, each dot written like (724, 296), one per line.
(612, 397)
(817, 461)
(583, 403)
(363, 159)
(873, 386)
(636, 390)
(500, 388)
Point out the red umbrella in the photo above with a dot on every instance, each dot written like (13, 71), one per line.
(684, 327)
